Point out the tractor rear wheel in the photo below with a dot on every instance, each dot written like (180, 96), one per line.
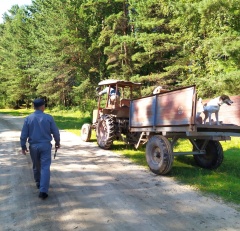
(105, 132)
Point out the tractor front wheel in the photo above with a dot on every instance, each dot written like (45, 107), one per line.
(86, 132)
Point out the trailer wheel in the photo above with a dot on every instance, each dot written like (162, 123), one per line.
(86, 132)
(105, 132)
(213, 157)
(159, 155)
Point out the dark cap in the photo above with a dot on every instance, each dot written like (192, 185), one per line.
(38, 102)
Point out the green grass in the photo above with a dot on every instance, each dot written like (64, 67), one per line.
(69, 120)
(22, 112)
(223, 182)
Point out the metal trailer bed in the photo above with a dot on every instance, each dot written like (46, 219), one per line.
(164, 118)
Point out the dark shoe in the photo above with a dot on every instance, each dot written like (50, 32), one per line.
(38, 185)
(43, 195)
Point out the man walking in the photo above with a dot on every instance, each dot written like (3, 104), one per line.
(38, 129)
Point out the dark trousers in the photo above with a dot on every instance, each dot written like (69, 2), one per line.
(41, 159)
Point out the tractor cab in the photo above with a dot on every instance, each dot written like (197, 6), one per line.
(114, 98)
(111, 118)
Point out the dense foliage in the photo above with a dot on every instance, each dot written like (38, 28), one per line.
(61, 49)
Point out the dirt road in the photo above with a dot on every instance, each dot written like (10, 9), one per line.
(93, 189)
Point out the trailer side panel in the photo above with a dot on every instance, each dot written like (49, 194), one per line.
(174, 108)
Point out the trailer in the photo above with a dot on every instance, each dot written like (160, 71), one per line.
(164, 118)
(159, 121)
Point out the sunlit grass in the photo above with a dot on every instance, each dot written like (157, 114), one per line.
(20, 112)
(223, 182)
(70, 120)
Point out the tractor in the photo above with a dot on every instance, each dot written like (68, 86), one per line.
(159, 121)
(111, 118)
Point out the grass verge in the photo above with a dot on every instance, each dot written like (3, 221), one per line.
(223, 182)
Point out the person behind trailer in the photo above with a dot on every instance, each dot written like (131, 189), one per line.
(158, 90)
(113, 95)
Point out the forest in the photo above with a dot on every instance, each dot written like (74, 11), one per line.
(61, 49)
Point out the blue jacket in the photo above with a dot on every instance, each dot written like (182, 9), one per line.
(112, 91)
(39, 128)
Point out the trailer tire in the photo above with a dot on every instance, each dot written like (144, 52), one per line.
(105, 132)
(86, 132)
(213, 157)
(159, 155)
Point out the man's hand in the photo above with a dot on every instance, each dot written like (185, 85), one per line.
(24, 151)
(57, 146)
